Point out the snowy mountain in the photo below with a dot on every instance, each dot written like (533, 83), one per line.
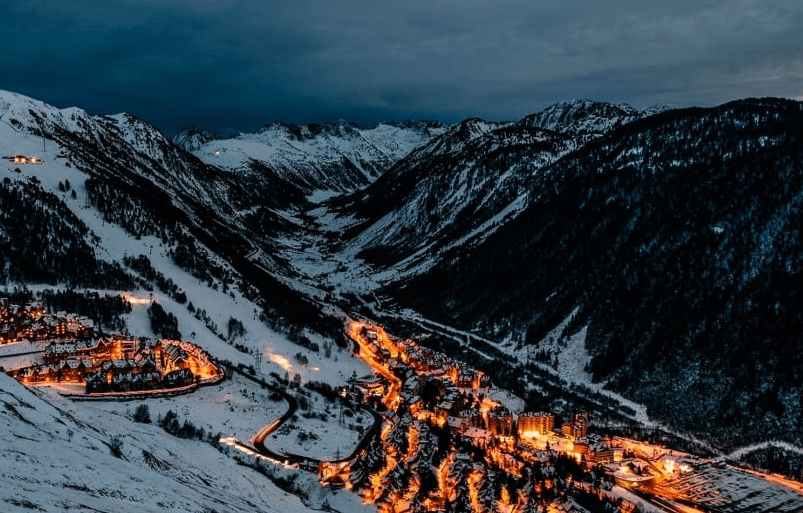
(671, 245)
(449, 192)
(461, 186)
(584, 117)
(655, 255)
(329, 158)
(191, 138)
(87, 217)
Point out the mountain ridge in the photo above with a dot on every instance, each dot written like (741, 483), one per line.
(664, 238)
(674, 236)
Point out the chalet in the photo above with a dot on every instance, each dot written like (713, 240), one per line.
(118, 366)
(87, 323)
(39, 330)
(103, 347)
(38, 373)
(150, 379)
(414, 403)
(447, 407)
(473, 416)
(8, 332)
(480, 437)
(402, 371)
(176, 356)
(23, 325)
(35, 307)
(178, 378)
(465, 379)
(456, 424)
(124, 382)
(151, 345)
(413, 384)
(57, 351)
(128, 347)
(85, 348)
(73, 327)
(145, 363)
(74, 370)
(96, 382)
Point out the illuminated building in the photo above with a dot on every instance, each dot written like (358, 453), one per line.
(577, 427)
(536, 423)
(500, 421)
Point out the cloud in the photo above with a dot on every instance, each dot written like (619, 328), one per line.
(240, 64)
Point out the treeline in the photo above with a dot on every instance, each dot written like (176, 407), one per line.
(135, 216)
(186, 429)
(150, 276)
(163, 324)
(107, 311)
(42, 241)
(193, 258)
(141, 218)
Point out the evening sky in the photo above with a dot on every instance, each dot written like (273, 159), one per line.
(235, 65)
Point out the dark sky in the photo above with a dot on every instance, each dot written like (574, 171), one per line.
(234, 65)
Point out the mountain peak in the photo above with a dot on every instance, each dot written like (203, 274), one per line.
(192, 138)
(582, 117)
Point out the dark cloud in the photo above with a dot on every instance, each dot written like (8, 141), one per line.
(236, 65)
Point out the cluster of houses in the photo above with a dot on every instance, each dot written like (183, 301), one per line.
(459, 400)
(108, 364)
(32, 322)
(407, 358)
(459, 396)
(421, 386)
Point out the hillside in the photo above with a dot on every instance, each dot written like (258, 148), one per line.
(86, 218)
(455, 190)
(673, 241)
(316, 159)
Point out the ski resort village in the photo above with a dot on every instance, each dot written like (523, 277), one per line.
(413, 317)
(421, 432)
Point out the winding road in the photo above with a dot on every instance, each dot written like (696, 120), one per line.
(305, 462)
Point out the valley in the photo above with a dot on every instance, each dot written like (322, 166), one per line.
(560, 313)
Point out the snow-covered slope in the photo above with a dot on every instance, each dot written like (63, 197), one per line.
(584, 117)
(121, 147)
(451, 192)
(462, 185)
(57, 457)
(334, 157)
(57, 453)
